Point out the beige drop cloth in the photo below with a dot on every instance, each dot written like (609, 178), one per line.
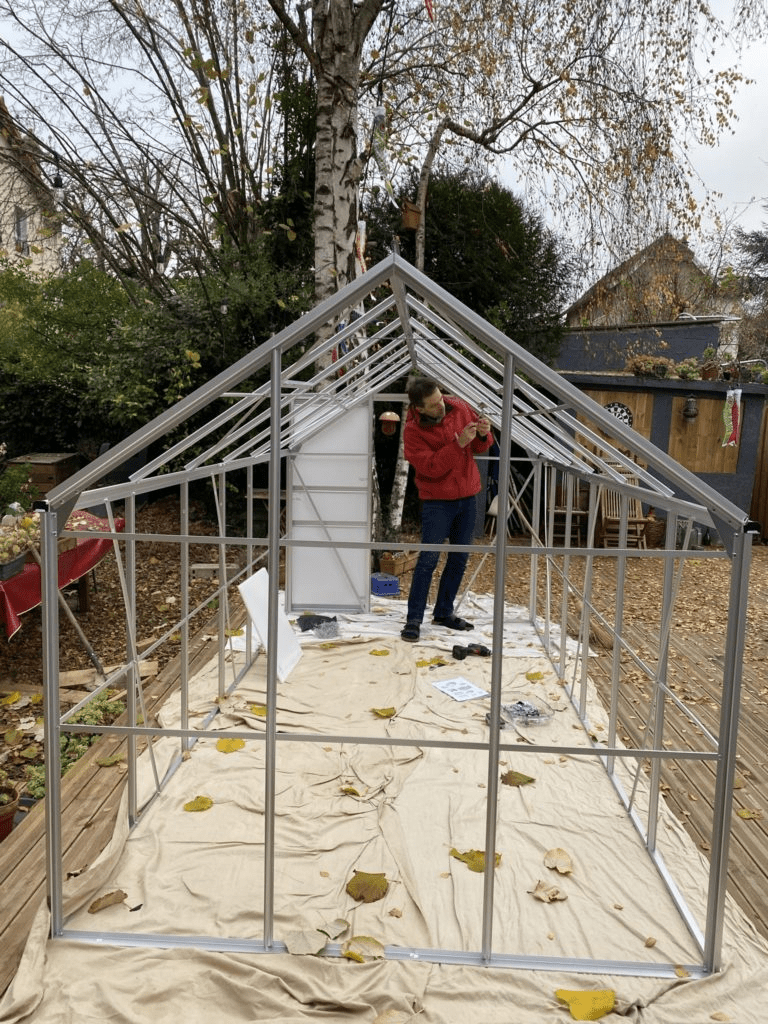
(202, 874)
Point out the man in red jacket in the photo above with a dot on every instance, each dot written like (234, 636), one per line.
(442, 437)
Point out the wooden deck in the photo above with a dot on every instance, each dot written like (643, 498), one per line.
(695, 675)
(90, 797)
(689, 786)
(91, 794)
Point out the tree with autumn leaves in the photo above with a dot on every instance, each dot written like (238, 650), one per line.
(164, 119)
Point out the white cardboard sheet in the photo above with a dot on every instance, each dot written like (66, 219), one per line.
(255, 594)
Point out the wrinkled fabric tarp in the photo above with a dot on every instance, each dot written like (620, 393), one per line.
(401, 810)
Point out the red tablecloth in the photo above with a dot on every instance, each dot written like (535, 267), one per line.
(22, 592)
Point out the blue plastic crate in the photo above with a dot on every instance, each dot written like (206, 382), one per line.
(382, 583)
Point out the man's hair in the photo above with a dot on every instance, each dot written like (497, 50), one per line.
(420, 388)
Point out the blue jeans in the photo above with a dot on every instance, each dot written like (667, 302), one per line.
(440, 519)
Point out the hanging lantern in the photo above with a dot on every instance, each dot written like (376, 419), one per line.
(691, 408)
(389, 421)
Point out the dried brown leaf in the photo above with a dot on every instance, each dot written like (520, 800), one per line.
(305, 943)
(110, 899)
(558, 860)
(548, 893)
(368, 887)
(334, 928)
(363, 949)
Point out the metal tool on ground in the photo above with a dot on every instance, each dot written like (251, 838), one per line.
(460, 653)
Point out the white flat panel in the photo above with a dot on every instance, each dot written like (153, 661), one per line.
(255, 594)
(313, 470)
(328, 506)
(329, 495)
(339, 435)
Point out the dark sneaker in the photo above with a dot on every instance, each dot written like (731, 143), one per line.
(453, 622)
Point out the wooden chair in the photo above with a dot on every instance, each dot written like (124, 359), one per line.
(579, 514)
(610, 515)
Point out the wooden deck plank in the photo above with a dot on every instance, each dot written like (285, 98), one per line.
(90, 797)
(689, 786)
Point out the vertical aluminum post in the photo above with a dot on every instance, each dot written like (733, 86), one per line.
(133, 677)
(491, 807)
(658, 709)
(270, 757)
(618, 634)
(185, 608)
(221, 504)
(726, 762)
(49, 591)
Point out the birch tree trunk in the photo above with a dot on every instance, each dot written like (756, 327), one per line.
(400, 482)
(337, 161)
(334, 46)
(397, 499)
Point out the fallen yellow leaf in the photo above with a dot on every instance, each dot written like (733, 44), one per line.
(200, 803)
(512, 778)
(588, 1005)
(226, 746)
(474, 859)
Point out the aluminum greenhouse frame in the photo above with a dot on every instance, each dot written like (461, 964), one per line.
(264, 408)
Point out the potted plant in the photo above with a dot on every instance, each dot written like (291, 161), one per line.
(710, 367)
(18, 533)
(688, 369)
(9, 804)
(650, 366)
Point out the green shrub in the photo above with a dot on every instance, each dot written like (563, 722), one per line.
(16, 486)
(101, 710)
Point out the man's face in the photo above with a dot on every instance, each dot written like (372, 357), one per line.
(433, 405)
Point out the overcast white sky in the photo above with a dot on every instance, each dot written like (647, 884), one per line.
(738, 166)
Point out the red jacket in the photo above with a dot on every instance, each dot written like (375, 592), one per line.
(444, 470)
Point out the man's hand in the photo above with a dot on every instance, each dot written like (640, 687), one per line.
(483, 426)
(467, 435)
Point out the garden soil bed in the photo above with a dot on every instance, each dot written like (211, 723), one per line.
(158, 590)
